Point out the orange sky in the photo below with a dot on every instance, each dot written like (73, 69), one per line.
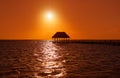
(81, 19)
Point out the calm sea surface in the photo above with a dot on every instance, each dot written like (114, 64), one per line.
(45, 59)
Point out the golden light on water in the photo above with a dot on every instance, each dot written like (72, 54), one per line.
(52, 65)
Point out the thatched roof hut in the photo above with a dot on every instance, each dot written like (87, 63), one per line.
(60, 35)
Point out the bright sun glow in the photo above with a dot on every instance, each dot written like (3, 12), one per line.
(49, 16)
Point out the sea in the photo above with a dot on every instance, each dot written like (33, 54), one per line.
(49, 59)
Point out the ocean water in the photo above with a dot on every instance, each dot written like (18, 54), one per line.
(46, 59)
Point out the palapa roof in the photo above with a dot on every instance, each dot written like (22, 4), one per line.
(60, 35)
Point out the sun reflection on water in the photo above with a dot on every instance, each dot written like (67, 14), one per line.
(51, 64)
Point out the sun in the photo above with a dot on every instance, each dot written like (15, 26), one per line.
(48, 18)
(49, 15)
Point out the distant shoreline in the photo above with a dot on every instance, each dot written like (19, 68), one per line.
(109, 42)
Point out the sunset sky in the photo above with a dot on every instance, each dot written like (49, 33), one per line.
(81, 19)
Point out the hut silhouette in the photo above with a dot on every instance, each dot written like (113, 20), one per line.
(60, 36)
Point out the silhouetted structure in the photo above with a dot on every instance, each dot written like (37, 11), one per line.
(60, 36)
